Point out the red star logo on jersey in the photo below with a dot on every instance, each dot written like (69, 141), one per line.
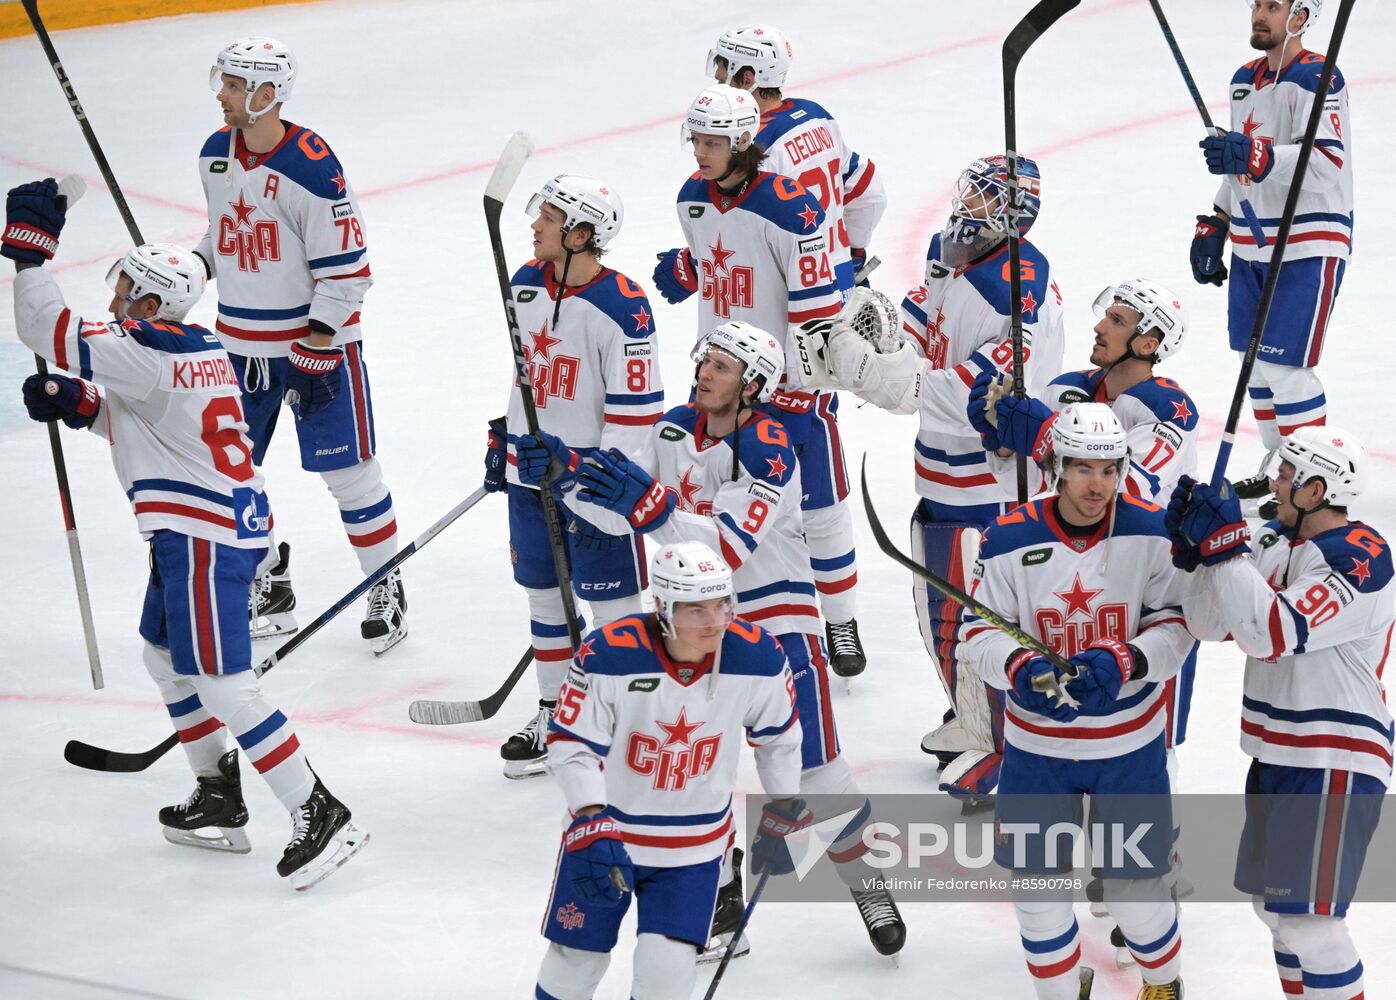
(583, 651)
(810, 216)
(720, 254)
(244, 211)
(642, 320)
(1250, 125)
(1181, 411)
(542, 344)
(933, 326)
(1361, 570)
(1077, 599)
(680, 730)
(1029, 303)
(688, 491)
(338, 181)
(777, 465)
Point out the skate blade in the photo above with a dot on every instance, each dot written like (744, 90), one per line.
(1099, 909)
(718, 946)
(518, 770)
(232, 840)
(1124, 959)
(382, 643)
(274, 626)
(346, 842)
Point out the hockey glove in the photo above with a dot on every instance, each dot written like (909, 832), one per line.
(1213, 523)
(34, 217)
(1102, 668)
(1022, 667)
(536, 453)
(859, 256)
(770, 854)
(1185, 554)
(594, 857)
(496, 455)
(1208, 248)
(611, 480)
(981, 417)
(582, 534)
(674, 275)
(1234, 153)
(1025, 426)
(315, 376)
(58, 397)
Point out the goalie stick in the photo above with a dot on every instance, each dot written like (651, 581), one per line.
(1046, 684)
(93, 758)
(1015, 46)
(1277, 256)
(451, 713)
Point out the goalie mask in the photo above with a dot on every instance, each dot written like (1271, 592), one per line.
(170, 273)
(760, 353)
(256, 61)
(1088, 431)
(688, 572)
(581, 199)
(725, 111)
(1161, 315)
(979, 215)
(765, 50)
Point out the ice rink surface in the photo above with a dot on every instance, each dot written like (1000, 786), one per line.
(417, 99)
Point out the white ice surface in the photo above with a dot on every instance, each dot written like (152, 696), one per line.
(417, 99)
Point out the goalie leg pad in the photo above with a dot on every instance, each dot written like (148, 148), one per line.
(948, 549)
(972, 775)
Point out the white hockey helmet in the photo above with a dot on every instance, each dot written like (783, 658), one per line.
(760, 353)
(763, 48)
(1161, 313)
(723, 110)
(257, 61)
(166, 271)
(581, 199)
(688, 571)
(1088, 430)
(1311, 7)
(1330, 453)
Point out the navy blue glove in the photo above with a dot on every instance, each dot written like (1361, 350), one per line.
(770, 854)
(58, 397)
(1185, 554)
(535, 453)
(1234, 153)
(978, 411)
(1208, 248)
(859, 256)
(674, 275)
(1103, 667)
(612, 481)
(34, 216)
(496, 455)
(582, 534)
(1022, 667)
(1025, 426)
(315, 375)
(594, 858)
(1213, 523)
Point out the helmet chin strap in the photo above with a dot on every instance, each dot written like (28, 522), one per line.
(562, 282)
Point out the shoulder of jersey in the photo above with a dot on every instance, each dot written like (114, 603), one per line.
(623, 301)
(1012, 531)
(1136, 517)
(172, 338)
(616, 649)
(751, 651)
(798, 213)
(216, 145)
(307, 159)
(1246, 74)
(1306, 70)
(1167, 401)
(762, 455)
(530, 274)
(1360, 555)
(694, 189)
(683, 416)
(796, 111)
(933, 251)
(1269, 534)
(989, 280)
(1076, 387)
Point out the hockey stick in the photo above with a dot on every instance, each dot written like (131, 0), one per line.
(1046, 684)
(737, 935)
(92, 758)
(1252, 223)
(506, 172)
(1015, 46)
(450, 713)
(1277, 256)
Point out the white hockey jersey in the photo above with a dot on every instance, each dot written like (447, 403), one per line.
(595, 374)
(740, 496)
(959, 321)
(1069, 591)
(171, 408)
(1314, 618)
(1277, 111)
(285, 242)
(657, 742)
(803, 141)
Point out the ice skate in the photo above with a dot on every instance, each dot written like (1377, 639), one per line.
(846, 655)
(526, 752)
(1168, 991)
(385, 625)
(1124, 958)
(271, 599)
(1095, 893)
(1087, 980)
(322, 839)
(947, 741)
(213, 815)
(882, 919)
(727, 914)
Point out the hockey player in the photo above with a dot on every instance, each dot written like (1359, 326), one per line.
(673, 694)
(1309, 603)
(957, 327)
(1271, 99)
(1087, 572)
(166, 396)
(724, 473)
(595, 377)
(758, 244)
(287, 246)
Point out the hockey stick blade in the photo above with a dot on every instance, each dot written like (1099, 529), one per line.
(511, 163)
(92, 758)
(451, 713)
(1031, 27)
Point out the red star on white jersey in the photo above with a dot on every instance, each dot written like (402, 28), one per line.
(1250, 125)
(1361, 570)
(810, 216)
(542, 343)
(720, 254)
(777, 465)
(1181, 411)
(642, 320)
(1077, 599)
(680, 730)
(244, 211)
(688, 491)
(583, 651)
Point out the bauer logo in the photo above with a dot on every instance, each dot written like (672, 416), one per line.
(695, 211)
(644, 684)
(218, 167)
(342, 210)
(1036, 557)
(527, 295)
